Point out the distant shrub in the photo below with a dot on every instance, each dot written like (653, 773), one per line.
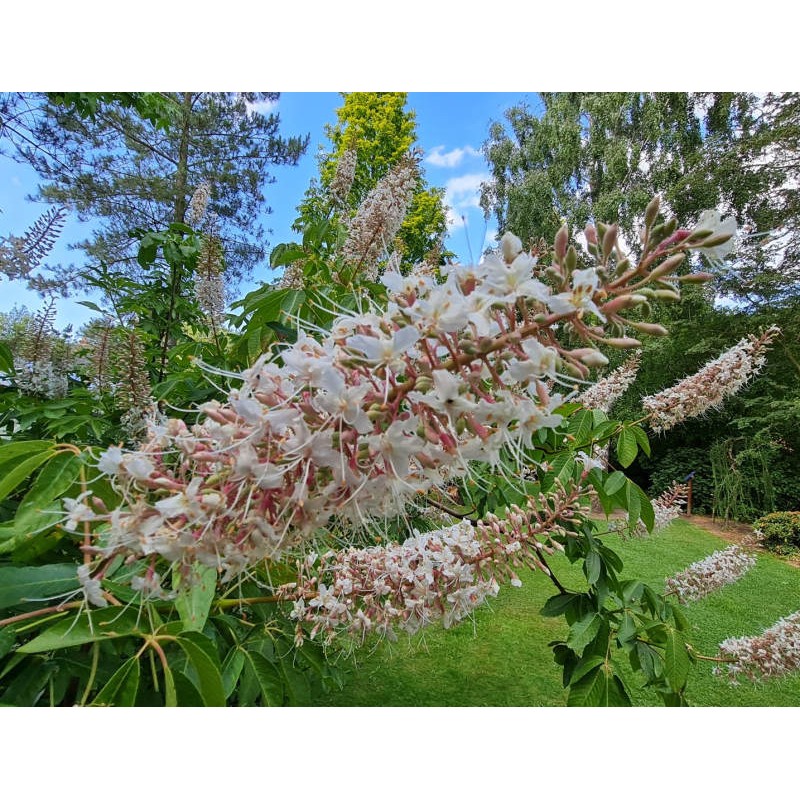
(780, 531)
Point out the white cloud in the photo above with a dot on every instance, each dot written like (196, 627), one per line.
(462, 194)
(438, 157)
(264, 107)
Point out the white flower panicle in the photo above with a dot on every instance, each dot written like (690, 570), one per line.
(720, 378)
(709, 574)
(198, 205)
(603, 394)
(343, 177)
(774, 653)
(437, 576)
(356, 425)
(380, 215)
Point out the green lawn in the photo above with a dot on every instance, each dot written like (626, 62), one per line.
(502, 659)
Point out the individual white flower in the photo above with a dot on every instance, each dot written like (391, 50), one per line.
(585, 282)
(138, 466)
(446, 397)
(110, 462)
(386, 352)
(92, 590)
(77, 511)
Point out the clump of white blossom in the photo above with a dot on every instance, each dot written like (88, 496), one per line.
(354, 426)
(379, 217)
(343, 177)
(439, 575)
(773, 653)
(703, 577)
(603, 394)
(198, 204)
(708, 387)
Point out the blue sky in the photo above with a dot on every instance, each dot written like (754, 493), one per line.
(451, 128)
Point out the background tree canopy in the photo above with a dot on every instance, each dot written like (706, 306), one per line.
(111, 164)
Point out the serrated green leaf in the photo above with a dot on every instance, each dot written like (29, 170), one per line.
(90, 626)
(592, 566)
(52, 482)
(676, 660)
(614, 482)
(208, 670)
(122, 686)
(580, 425)
(7, 640)
(583, 631)
(626, 447)
(14, 450)
(30, 584)
(586, 665)
(298, 690)
(558, 604)
(232, 668)
(194, 603)
(170, 695)
(641, 439)
(21, 471)
(6, 359)
(591, 690)
(634, 503)
(627, 628)
(267, 677)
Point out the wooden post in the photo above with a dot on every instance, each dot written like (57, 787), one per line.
(689, 499)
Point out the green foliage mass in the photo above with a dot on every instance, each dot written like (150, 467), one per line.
(379, 128)
(602, 156)
(780, 531)
(102, 159)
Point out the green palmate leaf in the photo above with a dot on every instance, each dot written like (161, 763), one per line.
(29, 684)
(633, 502)
(6, 359)
(646, 511)
(592, 566)
(591, 690)
(626, 447)
(28, 584)
(599, 687)
(170, 695)
(614, 482)
(6, 642)
(298, 690)
(16, 449)
(122, 686)
(641, 439)
(20, 471)
(676, 660)
(209, 677)
(580, 425)
(88, 626)
(557, 605)
(232, 668)
(584, 630)
(194, 603)
(267, 677)
(51, 483)
(586, 665)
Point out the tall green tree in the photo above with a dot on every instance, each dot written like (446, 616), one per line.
(111, 164)
(379, 128)
(603, 155)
